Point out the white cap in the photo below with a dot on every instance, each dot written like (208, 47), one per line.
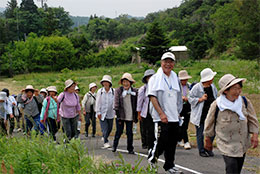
(29, 87)
(68, 83)
(168, 55)
(52, 89)
(207, 74)
(106, 78)
(3, 95)
(43, 90)
(91, 85)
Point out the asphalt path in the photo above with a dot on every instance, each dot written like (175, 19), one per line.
(188, 161)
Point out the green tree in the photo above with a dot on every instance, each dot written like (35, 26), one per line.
(10, 9)
(155, 43)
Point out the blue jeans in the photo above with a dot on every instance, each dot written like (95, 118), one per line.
(34, 122)
(129, 133)
(107, 126)
(200, 137)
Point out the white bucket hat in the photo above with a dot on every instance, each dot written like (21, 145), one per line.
(227, 81)
(76, 87)
(52, 89)
(29, 87)
(106, 78)
(147, 73)
(183, 75)
(207, 74)
(68, 83)
(3, 95)
(91, 85)
(168, 55)
(43, 90)
(128, 77)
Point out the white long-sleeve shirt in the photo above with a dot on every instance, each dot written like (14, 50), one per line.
(105, 103)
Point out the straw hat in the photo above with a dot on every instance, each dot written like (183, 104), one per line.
(52, 89)
(106, 78)
(227, 81)
(29, 87)
(147, 73)
(43, 90)
(168, 55)
(68, 83)
(91, 85)
(3, 95)
(128, 77)
(183, 75)
(207, 74)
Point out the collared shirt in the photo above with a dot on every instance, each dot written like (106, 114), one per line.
(30, 107)
(89, 100)
(142, 101)
(70, 105)
(5, 108)
(105, 103)
(52, 112)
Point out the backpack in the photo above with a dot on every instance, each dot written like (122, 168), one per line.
(47, 109)
(38, 104)
(111, 89)
(64, 97)
(217, 110)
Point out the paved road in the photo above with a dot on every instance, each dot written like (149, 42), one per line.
(184, 158)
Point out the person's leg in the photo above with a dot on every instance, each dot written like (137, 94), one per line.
(110, 126)
(87, 123)
(105, 130)
(39, 126)
(67, 127)
(149, 131)
(129, 133)
(231, 164)
(17, 118)
(143, 132)
(185, 127)
(119, 131)
(93, 121)
(28, 126)
(3, 130)
(74, 126)
(52, 127)
(200, 138)
(170, 142)
(240, 163)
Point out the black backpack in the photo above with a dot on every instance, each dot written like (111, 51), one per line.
(38, 104)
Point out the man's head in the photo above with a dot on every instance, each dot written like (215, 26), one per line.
(167, 62)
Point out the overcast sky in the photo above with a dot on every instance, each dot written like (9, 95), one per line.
(108, 8)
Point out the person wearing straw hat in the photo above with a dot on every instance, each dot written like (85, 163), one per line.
(201, 96)
(145, 118)
(5, 108)
(165, 95)
(32, 101)
(185, 113)
(125, 107)
(88, 105)
(104, 108)
(50, 111)
(232, 118)
(70, 110)
(44, 92)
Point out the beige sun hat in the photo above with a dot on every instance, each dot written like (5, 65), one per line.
(52, 89)
(183, 75)
(29, 87)
(68, 83)
(3, 95)
(91, 85)
(106, 78)
(128, 77)
(43, 90)
(207, 74)
(168, 55)
(227, 81)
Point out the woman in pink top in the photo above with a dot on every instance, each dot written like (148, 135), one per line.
(69, 109)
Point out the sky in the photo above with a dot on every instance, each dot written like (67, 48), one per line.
(108, 8)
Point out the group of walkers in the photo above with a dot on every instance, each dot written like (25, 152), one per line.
(164, 106)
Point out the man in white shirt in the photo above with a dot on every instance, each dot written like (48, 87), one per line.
(165, 95)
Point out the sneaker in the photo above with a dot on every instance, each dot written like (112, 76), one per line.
(15, 130)
(153, 166)
(203, 154)
(209, 152)
(93, 136)
(173, 170)
(19, 130)
(86, 134)
(187, 146)
(180, 144)
(106, 145)
(114, 149)
(131, 152)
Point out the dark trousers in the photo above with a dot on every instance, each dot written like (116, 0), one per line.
(129, 132)
(200, 137)
(70, 126)
(33, 122)
(166, 137)
(53, 128)
(147, 131)
(233, 164)
(186, 114)
(11, 123)
(3, 130)
(90, 117)
(107, 126)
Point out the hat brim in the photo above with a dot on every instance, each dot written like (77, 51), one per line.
(235, 81)
(29, 89)
(208, 78)
(185, 78)
(52, 91)
(130, 80)
(105, 81)
(69, 85)
(144, 78)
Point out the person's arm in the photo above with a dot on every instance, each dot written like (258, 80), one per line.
(194, 98)
(140, 102)
(158, 108)
(253, 125)
(116, 102)
(78, 107)
(98, 104)
(38, 96)
(83, 103)
(44, 105)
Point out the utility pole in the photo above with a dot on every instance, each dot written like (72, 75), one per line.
(42, 2)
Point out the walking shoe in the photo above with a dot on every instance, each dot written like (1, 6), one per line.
(19, 130)
(144, 147)
(106, 145)
(209, 152)
(173, 170)
(131, 152)
(187, 146)
(204, 154)
(86, 134)
(180, 144)
(153, 166)
(114, 149)
(93, 136)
